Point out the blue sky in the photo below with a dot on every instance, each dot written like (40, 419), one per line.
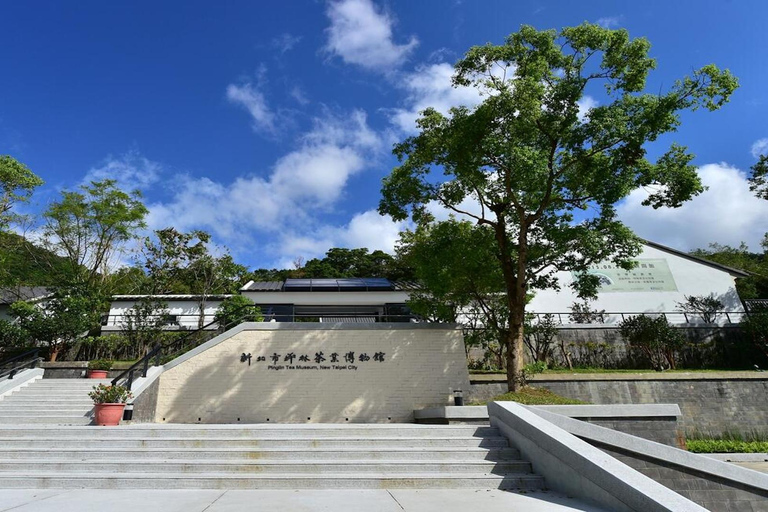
(271, 125)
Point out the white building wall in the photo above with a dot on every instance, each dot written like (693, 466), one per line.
(187, 313)
(690, 278)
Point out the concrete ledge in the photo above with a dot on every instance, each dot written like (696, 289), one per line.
(480, 412)
(738, 457)
(614, 410)
(657, 451)
(452, 414)
(24, 377)
(478, 378)
(577, 468)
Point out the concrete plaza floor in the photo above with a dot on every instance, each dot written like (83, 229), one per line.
(343, 500)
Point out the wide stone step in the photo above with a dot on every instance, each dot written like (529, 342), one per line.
(290, 442)
(43, 408)
(128, 467)
(329, 480)
(136, 455)
(51, 419)
(259, 431)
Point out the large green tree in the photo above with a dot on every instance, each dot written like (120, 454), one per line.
(529, 159)
(179, 262)
(57, 322)
(90, 228)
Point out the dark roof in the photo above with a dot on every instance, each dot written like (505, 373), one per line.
(171, 296)
(263, 286)
(341, 284)
(733, 271)
(11, 295)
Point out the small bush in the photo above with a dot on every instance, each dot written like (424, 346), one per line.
(655, 338)
(104, 394)
(534, 396)
(100, 364)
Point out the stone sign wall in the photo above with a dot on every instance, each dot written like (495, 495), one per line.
(313, 372)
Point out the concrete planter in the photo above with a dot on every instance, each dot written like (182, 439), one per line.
(108, 415)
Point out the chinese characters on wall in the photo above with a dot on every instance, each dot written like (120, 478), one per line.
(650, 275)
(319, 361)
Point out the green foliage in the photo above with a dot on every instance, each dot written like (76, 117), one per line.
(236, 310)
(758, 182)
(143, 323)
(753, 287)
(755, 329)
(11, 337)
(17, 183)
(57, 322)
(526, 160)
(100, 364)
(654, 337)
(533, 396)
(104, 394)
(583, 313)
(339, 262)
(729, 441)
(704, 305)
(540, 338)
(455, 263)
(725, 446)
(89, 228)
(24, 264)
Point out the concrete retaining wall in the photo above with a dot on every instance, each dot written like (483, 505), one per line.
(710, 402)
(718, 486)
(571, 465)
(381, 373)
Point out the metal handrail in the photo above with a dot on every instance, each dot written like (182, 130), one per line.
(687, 315)
(11, 372)
(158, 350)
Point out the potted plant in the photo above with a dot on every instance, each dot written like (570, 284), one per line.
(98, 368)
(108, 403)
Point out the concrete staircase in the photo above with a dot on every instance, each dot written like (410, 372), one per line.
(50, 401)
(312, 456)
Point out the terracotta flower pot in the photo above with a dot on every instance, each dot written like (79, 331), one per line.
(97, 374)
(108, 415)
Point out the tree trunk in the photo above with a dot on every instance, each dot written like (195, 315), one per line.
(53, 353)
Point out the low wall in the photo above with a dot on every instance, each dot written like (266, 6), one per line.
(352, 373)
(716, 485)
(572, 466)
(711, 402)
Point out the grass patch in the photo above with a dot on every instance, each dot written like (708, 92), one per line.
(728, 441)
(726, 446)
(533, 396)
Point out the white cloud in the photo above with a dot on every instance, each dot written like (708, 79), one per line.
(610, 21)
(132, 171)
(361, 34)
(585, 104)
(727, 213)
(252, 99)
(759, 147)
(285, 42)
(430, 86)
(301, 186)
(298, 94)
